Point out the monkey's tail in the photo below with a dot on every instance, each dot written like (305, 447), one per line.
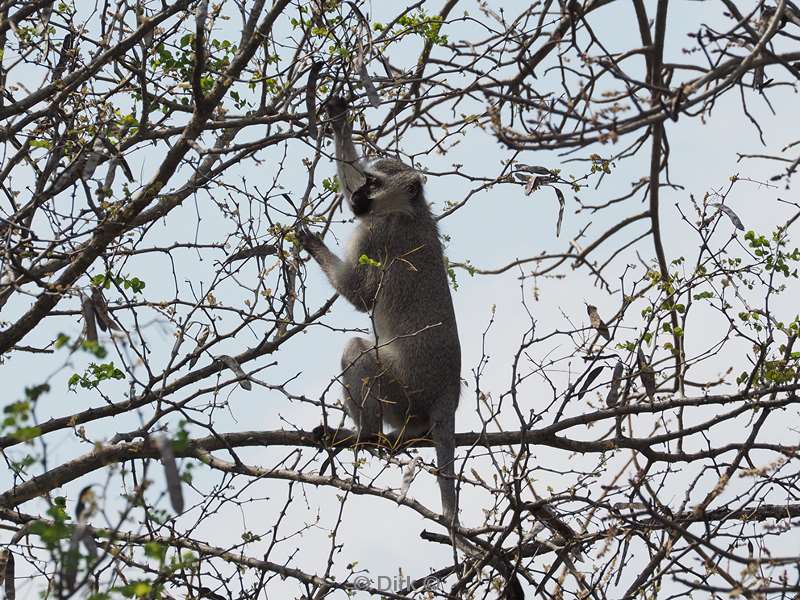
(443, 435)
(513, 589)
(445, 444)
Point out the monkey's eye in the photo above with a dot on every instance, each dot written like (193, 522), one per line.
(371, 180)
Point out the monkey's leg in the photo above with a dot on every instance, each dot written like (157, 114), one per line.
(358, 370)
(361, 383)
(368, 389)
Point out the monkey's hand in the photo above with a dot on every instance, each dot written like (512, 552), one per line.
(331, 264)
(307, 240)
(337, 108)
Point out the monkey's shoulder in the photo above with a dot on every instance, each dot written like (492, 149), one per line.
(398, 238)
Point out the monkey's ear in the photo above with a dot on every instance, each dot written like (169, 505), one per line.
(415, 189)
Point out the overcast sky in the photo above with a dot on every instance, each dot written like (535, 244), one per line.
(497, 226)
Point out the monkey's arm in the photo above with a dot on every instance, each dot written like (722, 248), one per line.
(343, 277)
(346, 156)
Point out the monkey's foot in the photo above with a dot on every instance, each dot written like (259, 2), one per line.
(322, 434)
(328, 437)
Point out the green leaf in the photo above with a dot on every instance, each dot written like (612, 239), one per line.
(26, 434)
(61, 341)
(33, 393)
(703, 295)
(366, 260)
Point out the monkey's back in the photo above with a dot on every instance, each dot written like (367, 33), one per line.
(413, 310)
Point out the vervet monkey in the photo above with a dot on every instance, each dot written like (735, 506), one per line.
(408, 376)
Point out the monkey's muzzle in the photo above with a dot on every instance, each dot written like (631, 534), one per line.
(360, 200)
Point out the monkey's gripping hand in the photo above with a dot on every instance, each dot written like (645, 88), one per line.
(337, 109)
(308, 241)
(344, 278)
(328, 261)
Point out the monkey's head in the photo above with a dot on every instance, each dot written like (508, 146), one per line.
(391, 187)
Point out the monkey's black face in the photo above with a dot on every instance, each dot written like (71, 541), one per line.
(361, 201)
(391, 189)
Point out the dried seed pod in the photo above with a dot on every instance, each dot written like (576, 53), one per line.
(89, 323)
(201, 340)
(597, 322)
(311, 96)
(4, 554)
(8, 576)
(616, 379)
(646, 374)
(173, 478)
(101, 309)
(234, 366)
(589, 379)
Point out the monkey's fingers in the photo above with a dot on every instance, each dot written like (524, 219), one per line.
(336, 107)
(305, 238)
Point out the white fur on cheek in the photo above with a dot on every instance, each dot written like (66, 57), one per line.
(389, 202)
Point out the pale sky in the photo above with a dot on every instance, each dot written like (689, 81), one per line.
(497, 226)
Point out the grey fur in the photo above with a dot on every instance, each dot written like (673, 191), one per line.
(347, 159)
(408, 376)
